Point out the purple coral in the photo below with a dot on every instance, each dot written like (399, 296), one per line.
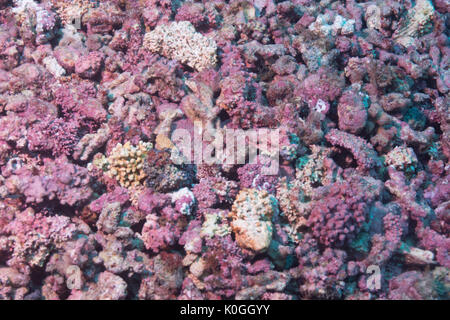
(357, 91)
(338, 216)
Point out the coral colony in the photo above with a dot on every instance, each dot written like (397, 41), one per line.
(136, 138)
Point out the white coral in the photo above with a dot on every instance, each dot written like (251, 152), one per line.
(215, 225)
(179, 41)
(325, 25)
(373, 17)
(415, 22)
(187, 199)
(252, 219)
(53, 67)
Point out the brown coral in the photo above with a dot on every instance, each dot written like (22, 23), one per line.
(252, 213)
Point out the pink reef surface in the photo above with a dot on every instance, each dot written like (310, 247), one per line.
(93, 206)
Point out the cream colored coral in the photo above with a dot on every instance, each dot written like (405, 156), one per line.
(373, 17)
(179, 41)
(416, 20)
(214, 225)
(293, 196)
(252, 214)
(401, 158)
(72, 11)
(419, 256)
(198, 267)
(52, 65)
(184, 193)
(291, 206)
(24, 9)
(314, 171)
(125, 163)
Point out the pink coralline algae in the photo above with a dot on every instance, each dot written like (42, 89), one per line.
(110, 109)
(352, 111)
(338, 216)
(55, 179)
(88, 66)
(55, 135)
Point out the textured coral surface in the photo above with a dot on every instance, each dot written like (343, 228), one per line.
(97, 200)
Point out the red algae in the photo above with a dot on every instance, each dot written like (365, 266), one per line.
(120, 177)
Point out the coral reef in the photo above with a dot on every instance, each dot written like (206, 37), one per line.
(241, 149)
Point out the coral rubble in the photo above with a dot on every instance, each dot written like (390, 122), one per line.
(127, 139)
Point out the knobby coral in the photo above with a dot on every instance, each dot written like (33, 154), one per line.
(108, 110)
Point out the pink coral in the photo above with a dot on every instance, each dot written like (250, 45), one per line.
(337, 217)
(213, 191)
(31, 236)
(56, 179)
(362, 151)
(358, 91)
(352, 111)
(89, 66)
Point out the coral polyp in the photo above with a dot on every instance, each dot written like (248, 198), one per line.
(224, 149)
(125, 163)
